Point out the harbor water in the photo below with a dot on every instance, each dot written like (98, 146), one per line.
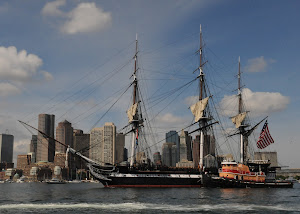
(93, 198)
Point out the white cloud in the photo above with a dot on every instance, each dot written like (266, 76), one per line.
(258, 64)
(7, 89)
(86, 17)
(47, 76)
(169, 121)
(18, 66)
(21, 146)
(51, 8)
(258, 103)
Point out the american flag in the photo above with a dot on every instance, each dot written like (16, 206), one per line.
(265, 138)
(137, 138)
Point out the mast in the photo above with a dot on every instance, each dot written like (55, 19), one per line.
(243, 136)
(201, 84)
(134, 122)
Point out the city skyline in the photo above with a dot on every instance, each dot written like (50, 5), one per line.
(54, 62)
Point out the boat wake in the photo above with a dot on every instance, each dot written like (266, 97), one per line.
(129, 207)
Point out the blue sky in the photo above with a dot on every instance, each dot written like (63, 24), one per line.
(56, 57)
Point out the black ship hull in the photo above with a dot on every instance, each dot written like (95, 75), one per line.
(150, 180)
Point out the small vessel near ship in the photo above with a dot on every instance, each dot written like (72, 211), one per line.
(248, 173)
(55, 181)
(232, 174)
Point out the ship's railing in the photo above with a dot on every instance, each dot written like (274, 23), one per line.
(231, 170)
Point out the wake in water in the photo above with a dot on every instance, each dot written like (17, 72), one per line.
(139, 207)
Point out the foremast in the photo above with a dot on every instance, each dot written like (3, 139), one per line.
(134, 117)
(198, 109)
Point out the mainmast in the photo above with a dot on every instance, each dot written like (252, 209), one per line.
(133, 110)
(201, 122)
(198, 109)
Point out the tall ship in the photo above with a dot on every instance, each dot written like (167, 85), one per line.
(246, 173)
(146, 176)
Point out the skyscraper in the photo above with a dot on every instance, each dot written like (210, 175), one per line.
(185, 146)
(172, 137)
(196, 151)
(81, 142)
(169, 154)
(103, 143)
(64, 134)
(33, 144)
(120, 144)
(46, 146)
(6, 148)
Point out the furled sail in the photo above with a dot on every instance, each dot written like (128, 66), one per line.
(238, 119)
(198, 108)
(132, 111)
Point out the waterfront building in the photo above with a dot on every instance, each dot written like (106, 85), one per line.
(172, 137)
(64, 134)
(45, 146)
(6, 148)
(103, 143)
(33, 158)
(120, 144)
(23, 161)
(60, 160)
(271, 156)
(185, 164)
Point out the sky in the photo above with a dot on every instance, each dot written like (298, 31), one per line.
(74, 59)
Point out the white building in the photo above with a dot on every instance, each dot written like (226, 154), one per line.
(103, 144)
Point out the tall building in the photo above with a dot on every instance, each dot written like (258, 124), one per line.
(33, 144)
(196, 150)
(64, 134)
(45, 146)
(103, 143)
(6, 148)
(185, 146)
(120, 144)
(81, 142)
(172, 137)
(169, 154)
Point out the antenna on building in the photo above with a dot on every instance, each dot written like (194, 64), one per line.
(6, 131)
